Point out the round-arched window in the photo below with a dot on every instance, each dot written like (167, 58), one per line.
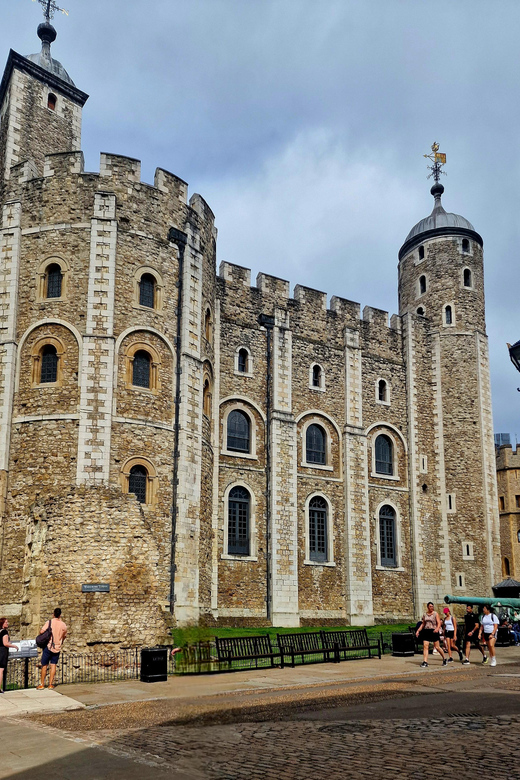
(141, 369)
(239, 504)
(147, 285)
(137, 482)
(315, 441)
(384, 455)
(238, 431)
(49, 364)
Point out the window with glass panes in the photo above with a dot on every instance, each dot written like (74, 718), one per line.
(315, 445)
(54, 281)
(49, 364)
(147, 291)
(387, 536)
(137, 483)
(238, 431)
(384, 455)
(238, 521)
(141, 369)
(318, 529)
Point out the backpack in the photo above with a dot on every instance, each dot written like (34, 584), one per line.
(43, 639)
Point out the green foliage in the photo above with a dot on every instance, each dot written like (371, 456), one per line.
(183, 637)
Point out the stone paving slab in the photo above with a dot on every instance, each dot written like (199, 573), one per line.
(32, 701)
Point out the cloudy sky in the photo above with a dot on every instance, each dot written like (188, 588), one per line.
(303, 124)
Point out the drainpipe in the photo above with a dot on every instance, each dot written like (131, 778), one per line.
(267, 321)
(180, 239)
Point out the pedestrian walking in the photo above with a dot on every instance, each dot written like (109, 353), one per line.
(450, 633)
(5, 644)
(51, 653)
(488, 632)
(429, 630)
(471, 635)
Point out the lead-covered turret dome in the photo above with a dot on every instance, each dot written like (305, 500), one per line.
(47, 34)
(439, 223)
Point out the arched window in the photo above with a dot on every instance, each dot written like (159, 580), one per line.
(382, 391)
(465, 245)
(507, 568)
(448, 317)
(315, 440)
(54, 281)
(318, 543)
(422, 284)
(421, 253)
(239, 505)
(208, 326)
(137, 482)
(141, 369)
(51, 101)
(387, 536)
(207, 398)
(238, 431)
(467, 277)
(49, 364)
(316, 376)
(384, 455)
(420, 311)
(243, 360)
(147, 285)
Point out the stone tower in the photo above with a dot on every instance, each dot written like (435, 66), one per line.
(452, 479)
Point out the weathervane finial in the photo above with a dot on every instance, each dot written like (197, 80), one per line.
(49, 8)
(438, 159)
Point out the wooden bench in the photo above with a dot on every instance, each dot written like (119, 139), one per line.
(348, 640)
(245, 648)
(293, 645)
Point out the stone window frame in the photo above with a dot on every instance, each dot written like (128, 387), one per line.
(451, 503)
(158, 292)
(321, 387)
(382, 429)
(155, 367)
(451, 324)
(398, 537)
(42, 278)
(207, 391)
(387, 385)
(470, 271)
(253, 552)
(240, 406)
(36, 358)
(468, 552)
(249, 364)
(209, 327)
(423, 463)
(316, 419)
(469, 250)
(152, 483)
(460, 580)
(330, 562)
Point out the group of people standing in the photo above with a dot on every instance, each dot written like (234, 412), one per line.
(480, 634)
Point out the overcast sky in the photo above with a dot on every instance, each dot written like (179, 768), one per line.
(303, 124)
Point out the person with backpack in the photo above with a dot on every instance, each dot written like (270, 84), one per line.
(51, 652)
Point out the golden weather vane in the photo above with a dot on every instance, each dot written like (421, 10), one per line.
(49, 7)
(438, 159)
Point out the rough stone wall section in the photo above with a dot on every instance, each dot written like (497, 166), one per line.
(508, 479)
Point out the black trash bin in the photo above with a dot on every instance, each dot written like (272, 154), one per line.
(154, 664)
(403, 644)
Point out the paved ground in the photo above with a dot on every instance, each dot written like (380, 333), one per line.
(397, 722)
(32, 701)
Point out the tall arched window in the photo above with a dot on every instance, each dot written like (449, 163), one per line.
(318, 542)
(315, 441)
(421, 253)
(137, 482)
(208, 326)
(239, 505)
(387, 544)
(506, 568)
(448, 316)
(384, 455)
(141, 369)
(51, 101)
(422, 284)
(243, 360)
(465, 245)
(49, 364)
(382, 391)
(207, 398)
(147, 285)
(54, 281)
(238, 431)
(467, 277)
(316, 376)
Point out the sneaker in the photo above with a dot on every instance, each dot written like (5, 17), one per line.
(450, 660)
(485, 659)
(465, 662)
(493, 662)
(444, 662)
(424, 665)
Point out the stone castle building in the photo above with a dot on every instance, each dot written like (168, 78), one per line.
(211, 451)
(508, 479)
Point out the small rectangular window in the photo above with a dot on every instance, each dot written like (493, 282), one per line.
(451, 504)
(424, 464)
(467, 551)
(517, 500)
(460, 580)
(501, 503)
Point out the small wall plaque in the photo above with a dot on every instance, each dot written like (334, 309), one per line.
(96, 587)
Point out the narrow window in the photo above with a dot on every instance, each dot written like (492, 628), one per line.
(468, 552)
(54, 281)
(450, 501)
(318, 529)
(465, 245)
(507, 568)
(137, 481)
(382, 391)
(238, 521)
(447, 315)
(49, 364)
(518, 535)
(51, 101)
(315, 445)
(501, 503)
(422, 284)
(421, 253)
(384, 455)
(387, 536)
(420, 311)
(467, 277)
(243, 356)
(208, 325)
(147, 286)
(460, 579)
(316, 376)
(207, 398)
(141, 369)
(517, 501)
(238, 431)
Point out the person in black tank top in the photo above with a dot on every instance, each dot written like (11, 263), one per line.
(5, 644)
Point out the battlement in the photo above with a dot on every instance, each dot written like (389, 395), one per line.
(308, 296)
(235, 274)
(63, 164)
(507, 457)
(347, 310)
(272, 286)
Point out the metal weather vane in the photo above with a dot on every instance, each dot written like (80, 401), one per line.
(438, 159)
(49, 8)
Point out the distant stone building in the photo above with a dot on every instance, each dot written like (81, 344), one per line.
(508, 479)
(213, 451)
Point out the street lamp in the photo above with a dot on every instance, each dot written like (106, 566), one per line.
(514, 354)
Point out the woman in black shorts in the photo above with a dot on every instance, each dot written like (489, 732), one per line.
(5, 644)
(429, 630)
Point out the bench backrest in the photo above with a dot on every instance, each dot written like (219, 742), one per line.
(244, 646)
(349, 637)
(310, 642)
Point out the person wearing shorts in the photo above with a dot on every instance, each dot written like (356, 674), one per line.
(471, 635)
(450, 633)
(429, 630)
(488, 632)
(51, 653)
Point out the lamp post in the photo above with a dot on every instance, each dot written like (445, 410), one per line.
(514, 354)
